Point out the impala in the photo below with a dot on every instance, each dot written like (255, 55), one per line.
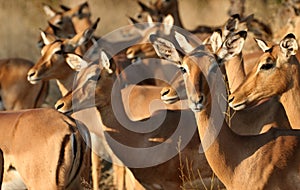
(68, 23)
(52, 63)
(15, 91)
(266, 161)
(42, 149)
(246, 122)
(165, 175)
(275, 74)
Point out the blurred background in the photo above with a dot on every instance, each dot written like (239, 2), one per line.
(21, 20)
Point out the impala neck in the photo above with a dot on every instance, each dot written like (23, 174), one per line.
(291, 99)
(65, 84)
(219, 143)
(235, 72)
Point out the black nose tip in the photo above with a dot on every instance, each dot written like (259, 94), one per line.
(59, 105)
(230, 99)
(164, 93)
(31, 73)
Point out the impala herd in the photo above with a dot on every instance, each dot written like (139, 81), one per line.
(210, 114)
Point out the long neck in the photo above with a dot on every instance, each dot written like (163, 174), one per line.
(66, 81)
(291, 99)
(235, 71)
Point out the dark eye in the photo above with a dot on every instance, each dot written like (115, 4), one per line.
(59, 52)
(183, 70)
(267, 66)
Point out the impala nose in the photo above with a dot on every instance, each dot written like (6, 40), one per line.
(31, 73)
(59, 105)
(230, 98)
(197, 105)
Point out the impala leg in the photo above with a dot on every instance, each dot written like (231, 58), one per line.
(96, 170)
(1, 167)
(119, 176)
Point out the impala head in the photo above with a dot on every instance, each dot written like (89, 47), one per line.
(144, 48)
(195, 66)
(68, 23)
(157, 10)
(272, 75)
(230, 47)
(97, 77)
(52, 64)
(175, 92)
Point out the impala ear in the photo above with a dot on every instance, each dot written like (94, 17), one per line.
(262, 44)
(82, 37)
(145, 7)
(237, 42)
(75, 61)
(165, 49)
(49, 11)
(65, 8)
(105, 63)
(150, 21)
(183, 43)
(168, 23)
(289, 45)
(47, 38)
(216, 40)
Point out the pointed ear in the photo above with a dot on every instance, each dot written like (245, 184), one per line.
(47, 38)
(105, 63)
(262, 44)
(168, 23)
(237, 42)
(165, 49)
(183, 43)
(49, 11)
(216, 40)
(82, 37)
(145, 7)
(233, 45)
(65, 8)
(75, 61)
(150, 21)
(289, 45)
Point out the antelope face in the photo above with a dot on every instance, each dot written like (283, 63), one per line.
(195, 82)
(82, 95)
(50, 65)
(272, 75)
(93, 79)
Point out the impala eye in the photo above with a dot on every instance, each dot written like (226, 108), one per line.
(267, 66)
(183, 70)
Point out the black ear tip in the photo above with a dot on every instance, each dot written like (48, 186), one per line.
(290, 35)
(243, 33)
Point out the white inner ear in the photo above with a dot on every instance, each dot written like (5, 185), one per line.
(105, 62)
(168, 23)
(48, 11)
(262, 45)
(184, 44)
(292, 45)
(166, 49)
(216, 41)
(45, 39)
(150, 21)
(76, 62)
